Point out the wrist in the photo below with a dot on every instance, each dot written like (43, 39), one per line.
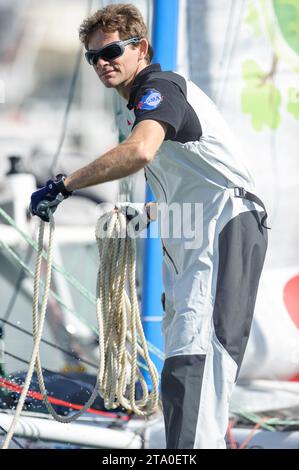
(67, 184)
(61, 185)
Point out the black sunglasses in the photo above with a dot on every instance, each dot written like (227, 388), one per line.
(109, 52)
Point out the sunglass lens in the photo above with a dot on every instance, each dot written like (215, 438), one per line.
(111, 52)
(107, 53)
(90, 57)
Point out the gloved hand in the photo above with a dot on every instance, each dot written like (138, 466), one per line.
(141, 214)
(47, 198)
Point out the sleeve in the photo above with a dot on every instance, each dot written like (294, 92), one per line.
(161, 100)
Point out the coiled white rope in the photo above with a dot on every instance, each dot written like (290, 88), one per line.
(121, 319)
(118, 324)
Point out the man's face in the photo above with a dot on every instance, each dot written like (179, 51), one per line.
(113, 73)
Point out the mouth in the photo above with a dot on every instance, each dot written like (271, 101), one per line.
(106, 72)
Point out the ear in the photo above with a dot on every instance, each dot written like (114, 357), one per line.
(143, 48)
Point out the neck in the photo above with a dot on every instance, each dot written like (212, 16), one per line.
(124, 88)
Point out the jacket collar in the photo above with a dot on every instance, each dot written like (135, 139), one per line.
(138, 81)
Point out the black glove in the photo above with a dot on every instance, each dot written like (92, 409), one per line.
(136, 212)
(47, 198)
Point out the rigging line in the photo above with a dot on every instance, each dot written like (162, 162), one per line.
(274, 161)
(149, 17)
(250, 416)
(143, 366)
(13, 387)
(70, 100)
(18, 260)
(273, 148)
(226, 42)
(85, 292)
(24, 361)
(17, 288)
(283, 422)
(229, 434)
(13, 438)
(48, 343)
(252, 433)
(232, 52)
(71, 279)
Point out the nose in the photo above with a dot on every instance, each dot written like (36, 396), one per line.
(101, 63)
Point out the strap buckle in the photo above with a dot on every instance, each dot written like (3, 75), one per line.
(239, 192)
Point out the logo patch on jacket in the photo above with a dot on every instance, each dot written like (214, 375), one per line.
(149, 101)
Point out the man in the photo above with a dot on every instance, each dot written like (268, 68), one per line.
(177, 135)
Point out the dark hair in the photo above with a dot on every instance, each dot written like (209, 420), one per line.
(122, 17)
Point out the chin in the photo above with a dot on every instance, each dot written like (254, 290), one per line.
(109, 83)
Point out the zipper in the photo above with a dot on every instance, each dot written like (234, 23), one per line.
(157, 179)
(165, 252)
